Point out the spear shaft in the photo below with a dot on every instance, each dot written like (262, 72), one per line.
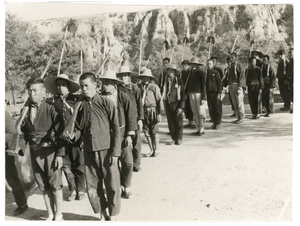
(62, 51)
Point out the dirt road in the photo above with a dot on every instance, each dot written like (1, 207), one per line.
(238, 173)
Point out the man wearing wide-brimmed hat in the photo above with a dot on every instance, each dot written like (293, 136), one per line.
(184, 76)
(127, 123)
(258, 55)
(96, 123)
(151, 99)
(283, 80)
(174, 99)
(196, 89)
(42, 129)
(134, 93)
(73, 162)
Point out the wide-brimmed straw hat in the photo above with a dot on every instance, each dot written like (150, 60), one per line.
(195, 60)
(185, 62)
(125, 70)
(172, 66)
(146, 73)
(258, 52)
(111, 75)
(50, 84)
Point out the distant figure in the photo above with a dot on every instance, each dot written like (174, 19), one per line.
(291, 75)
(258, 55)
(196, 89)
(151, 98)
(184, 76)
(215, 66)
(174, 98)
(214, 90)
(269, 78)
(11, 173)
(237, 86)
(163, 76)
(255, 84)
(283, 81)
(225, 83)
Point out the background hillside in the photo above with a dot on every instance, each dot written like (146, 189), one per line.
(176, 32)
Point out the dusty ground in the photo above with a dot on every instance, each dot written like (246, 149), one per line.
(238, 173)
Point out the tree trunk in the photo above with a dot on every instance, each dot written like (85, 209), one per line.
(13, 96)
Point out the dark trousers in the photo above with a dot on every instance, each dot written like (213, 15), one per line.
(253, 92)
(285, 93)
(11, 175)
(73, 167)
(291, 81)
(137, 149)
(215, 107)
(268, 100)
(175, 121)
(150, 123)
(97, 169)
(231, 103)
(46, 174)
(126, 160)
(187, 109)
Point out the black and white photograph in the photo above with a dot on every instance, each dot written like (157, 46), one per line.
(149, 112)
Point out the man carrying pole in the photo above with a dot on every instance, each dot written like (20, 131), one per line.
(128, 125)
(96, 120)
(134, 93)
(73, 162)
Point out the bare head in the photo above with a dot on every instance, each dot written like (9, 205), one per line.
(36, 89)
(88, 84)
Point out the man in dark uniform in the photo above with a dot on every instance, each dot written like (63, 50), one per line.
(196, 89)
(255, 84)
(237, 86)
(134, 93)
(163, 76)
(283, 81)
(290, 73)
(184, 76)
(73, 161)
(174, 98)
(11, 173)
(258, 55)
(225, 83)
(214, 90)
(42, 127)
(269, 78)
(215, 66)
(127, 116)
(96, 120)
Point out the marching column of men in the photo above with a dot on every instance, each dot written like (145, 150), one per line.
(94, 138)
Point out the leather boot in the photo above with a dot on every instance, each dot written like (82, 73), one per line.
(58, 200)
(49, 202)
